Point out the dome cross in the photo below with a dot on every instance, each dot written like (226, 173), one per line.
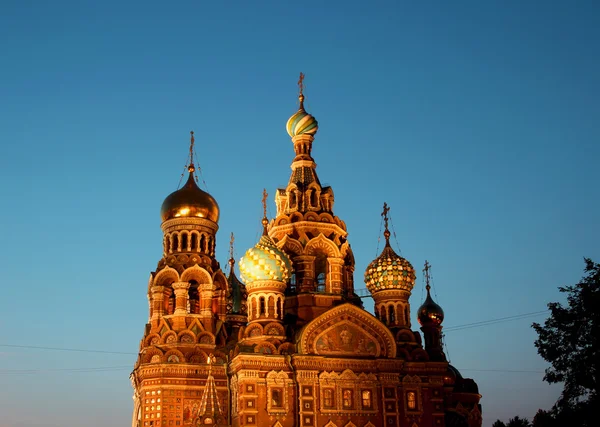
(265, 221)
(384, 214)
(426, 272)
(191, 167)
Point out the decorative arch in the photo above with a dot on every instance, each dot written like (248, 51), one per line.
(196, 273)
(198, 356)
(169, 337)
(174, 356)
(322, 243)
(275, 329)
(350, 424)
(186, 337)
(265, 347)
(152, 339)
(253, 330)
(326, 217)
(290, 245)
(369, 424)
(166, 276)
(347, 329)
(206, 338)
(220, 280)
(148, 354)
(286, 348)
(330, 424)
(311, 216)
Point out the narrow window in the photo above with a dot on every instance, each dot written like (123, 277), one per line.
(366, 399)
(184, 241)
(194, 242)
(392, 315)
(175, 242)
(262, 305)
(347, 398)
(411, 400)
(276, 398)
(328, 398)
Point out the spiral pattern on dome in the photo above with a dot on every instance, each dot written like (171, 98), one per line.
(265, 261)
(389, 271)
(302, 123)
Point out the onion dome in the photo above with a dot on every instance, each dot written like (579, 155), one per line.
(389, 270)
(190, 201)
(265, 261)
(430, 313)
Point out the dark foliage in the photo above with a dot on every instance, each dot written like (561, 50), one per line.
(569, 340)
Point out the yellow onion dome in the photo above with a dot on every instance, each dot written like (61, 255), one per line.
(190, 201)
(430, 313)
(265, 261)
(302, 123)
(389, 271)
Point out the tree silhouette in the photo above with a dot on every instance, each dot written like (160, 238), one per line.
(570, 341)
(518, 422)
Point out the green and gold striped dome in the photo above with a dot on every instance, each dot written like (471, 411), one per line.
(265, 261)
(302, 123)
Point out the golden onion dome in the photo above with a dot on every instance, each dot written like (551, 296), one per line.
(265, 261)
(190, 201)
(389, 271)
(302, 123)
(430, 313)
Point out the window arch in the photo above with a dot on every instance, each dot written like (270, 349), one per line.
(321, 272)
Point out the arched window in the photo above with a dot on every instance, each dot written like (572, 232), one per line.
(194, 242)
(193, 298)
(328, 398)
(313, 198)
(171, 309)
(292, 199)
(383, 315)
(174, 242)
(262, 306)
(184, 241)
(347, 398)
(203, 243)
(321, 272)
(276, 398)
(391, 315)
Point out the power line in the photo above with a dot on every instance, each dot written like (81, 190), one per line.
(494, 321)
(503, 370)
(37, 371)
(33, 347)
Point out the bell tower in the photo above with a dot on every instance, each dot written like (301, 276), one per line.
(187, 296)
(307, 229)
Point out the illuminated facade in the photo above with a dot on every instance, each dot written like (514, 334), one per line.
(289, 344)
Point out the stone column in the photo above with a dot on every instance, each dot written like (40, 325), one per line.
(206, 291)
(181, 296)
(158, 301)
(305, 271)
(334, 276)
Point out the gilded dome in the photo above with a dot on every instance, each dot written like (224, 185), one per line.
(430, 313)
(265, 261)
(190, 201)
(389, 271)
(302, 123)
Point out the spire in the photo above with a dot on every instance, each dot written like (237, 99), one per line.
(191, 167)
(265, 221)
(386, 233)
(209, 404)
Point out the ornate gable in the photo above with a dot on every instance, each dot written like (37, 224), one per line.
(347, 330)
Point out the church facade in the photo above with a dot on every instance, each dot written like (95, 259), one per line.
(289, 345)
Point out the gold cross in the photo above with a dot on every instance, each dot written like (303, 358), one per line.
(426, 271)
(384, 214)
(301, 83)
(191, 148)
(264, 202)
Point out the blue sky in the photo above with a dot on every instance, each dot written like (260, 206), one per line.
(476, 121)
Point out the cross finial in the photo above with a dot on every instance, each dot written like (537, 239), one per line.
(191, 165)
(384, 214)
(231, 260)
(301, 90)
(265, 221)
(426, 271)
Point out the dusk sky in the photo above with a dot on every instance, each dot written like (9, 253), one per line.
(478, 122)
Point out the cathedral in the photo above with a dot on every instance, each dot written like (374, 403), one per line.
(288, 343)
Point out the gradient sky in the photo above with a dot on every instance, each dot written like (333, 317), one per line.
(477, 122)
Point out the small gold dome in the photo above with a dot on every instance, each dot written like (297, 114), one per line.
(190, 201)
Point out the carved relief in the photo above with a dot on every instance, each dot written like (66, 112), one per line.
(345, 338)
